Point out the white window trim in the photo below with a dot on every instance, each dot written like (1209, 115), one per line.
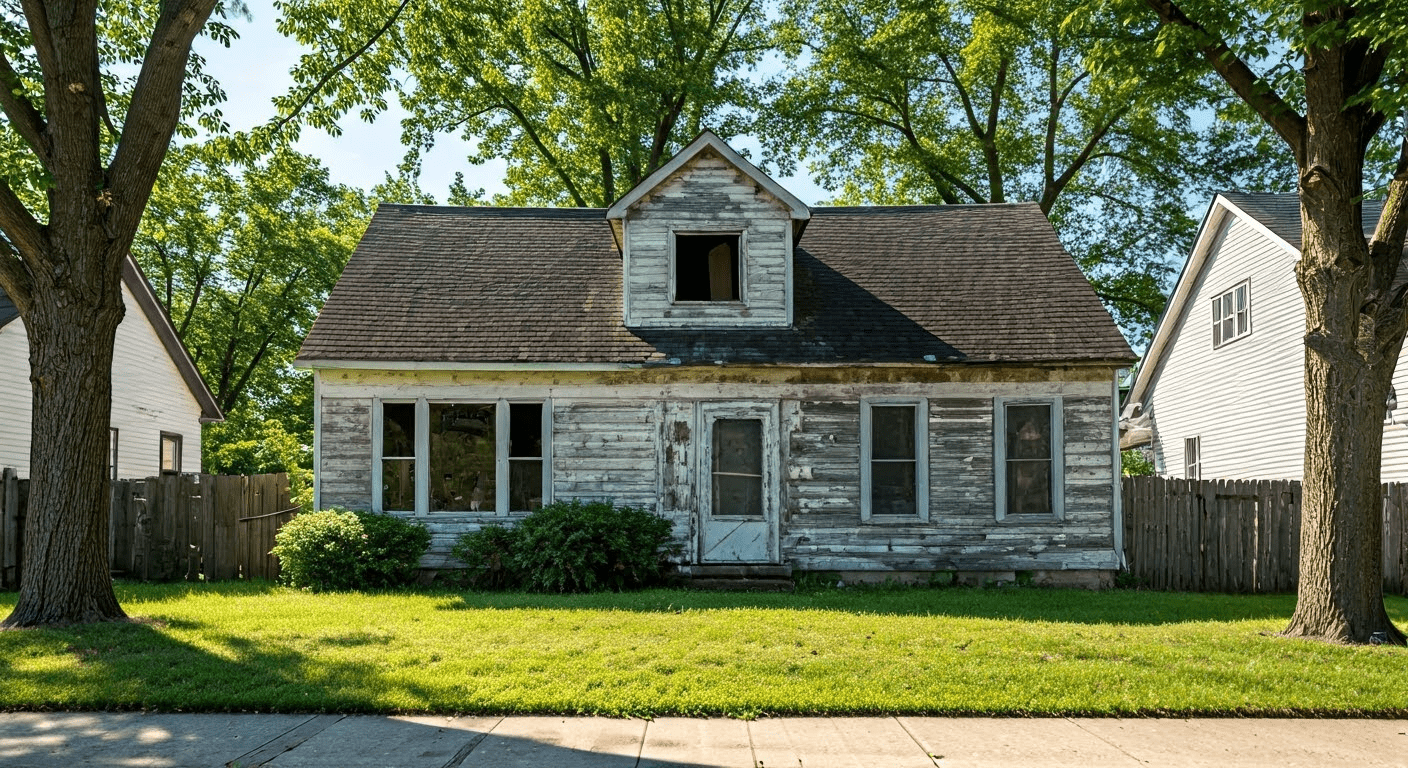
(1193, 469)
(921, 459)
(742, 268)
(1058, 456)
(1217, 322)
(422, 458)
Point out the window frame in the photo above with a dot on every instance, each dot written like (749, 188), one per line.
(1193, 469)
(1221, 298)
(179, 441)
(921, 459)
(1058, 458)
(672, 282)
(422, 448)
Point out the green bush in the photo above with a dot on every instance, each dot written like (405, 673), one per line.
(336, 550)
(570, 546)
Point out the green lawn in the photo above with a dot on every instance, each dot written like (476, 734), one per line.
(253, 647)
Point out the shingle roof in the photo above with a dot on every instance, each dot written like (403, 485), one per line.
(874, 284)
(1280, 212)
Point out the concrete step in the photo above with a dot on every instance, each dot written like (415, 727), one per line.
(738, 584)
(736, 570)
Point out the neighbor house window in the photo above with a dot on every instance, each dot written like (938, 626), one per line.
(1231, 315)
(707, 267)
(475, 456)
(737, 471)
(170, 452)
(1029, 464)
(1193, 458)
(112, 453)
(894, 475)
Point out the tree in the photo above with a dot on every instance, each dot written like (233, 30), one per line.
(583, 100)
(974, 102)
(1329, 111)
(88, 142)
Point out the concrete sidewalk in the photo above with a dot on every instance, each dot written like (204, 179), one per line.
(45, 740)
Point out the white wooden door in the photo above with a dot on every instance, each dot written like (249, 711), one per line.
(738, 479)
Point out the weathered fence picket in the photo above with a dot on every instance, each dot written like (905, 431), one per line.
(172, 527)
(1235, 535)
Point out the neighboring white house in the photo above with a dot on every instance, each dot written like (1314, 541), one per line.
(1220, 392)
(158, 398)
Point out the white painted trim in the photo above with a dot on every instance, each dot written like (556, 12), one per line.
(377, 438)
(921, 459)
(1247, 282)
(1117, 499)
(768, 412)
(707, 139)
(1058, 455)
(317, 444)
(422, 497)
(547, 451)
(671, 282)
(501, 469)
(627, 311)
(431, 365)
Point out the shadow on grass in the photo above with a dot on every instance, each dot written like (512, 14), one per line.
(1012, 604)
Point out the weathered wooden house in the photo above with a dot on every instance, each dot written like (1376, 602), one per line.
(892, 390)
(159, 401)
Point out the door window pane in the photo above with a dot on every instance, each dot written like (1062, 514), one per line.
(738, 467)
(462, 466)
(1029, 459)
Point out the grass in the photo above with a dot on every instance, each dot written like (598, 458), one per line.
(257, 647)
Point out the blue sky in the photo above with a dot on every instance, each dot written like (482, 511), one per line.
(256, 68)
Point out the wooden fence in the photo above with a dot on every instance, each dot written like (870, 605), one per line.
(173, 527)
(1235, 535)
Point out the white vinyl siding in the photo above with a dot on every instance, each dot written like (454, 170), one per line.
(149, 397)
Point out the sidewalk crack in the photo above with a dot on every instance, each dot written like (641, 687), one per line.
(1117, 747)
(469, 746)
(932, 757)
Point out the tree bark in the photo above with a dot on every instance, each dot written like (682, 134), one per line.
(1349, 363)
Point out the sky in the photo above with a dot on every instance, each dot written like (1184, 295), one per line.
(256, 67)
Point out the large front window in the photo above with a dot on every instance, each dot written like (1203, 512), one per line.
(461, 456)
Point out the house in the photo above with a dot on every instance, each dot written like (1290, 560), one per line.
(1220, 393)
(158, 398)
(892, 390)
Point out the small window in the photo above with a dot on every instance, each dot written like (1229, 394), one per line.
(525, 456)
(1193, 458)
(707, 268)
(398, 456)
(170, 453)
(112, 453)
(1231, 315)
(893, 455)
(1028, 438)
(738, 468)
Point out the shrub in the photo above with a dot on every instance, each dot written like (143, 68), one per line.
(336, 549)
(571, 546)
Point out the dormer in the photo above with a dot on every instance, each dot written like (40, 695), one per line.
(706, 242)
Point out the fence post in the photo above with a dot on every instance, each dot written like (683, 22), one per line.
(9, 529)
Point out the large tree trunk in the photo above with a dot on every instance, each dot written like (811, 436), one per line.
(1348, 371)
(66, 577)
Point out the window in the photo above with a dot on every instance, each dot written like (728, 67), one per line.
(1193, 458)
(1029, 464)
(706, 267)
(737, 470)
(894, 458)
(398, 456)
(170, 453)
(474, 456)
(1231, 315)
(112, 453)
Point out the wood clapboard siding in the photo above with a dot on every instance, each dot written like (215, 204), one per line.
(345, 453)
(149, 397)
(638, 444)
(710, 195)
(1245, 399)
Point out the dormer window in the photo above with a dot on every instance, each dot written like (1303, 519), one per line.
(706, 267)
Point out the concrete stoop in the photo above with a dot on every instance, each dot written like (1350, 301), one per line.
(739, 577)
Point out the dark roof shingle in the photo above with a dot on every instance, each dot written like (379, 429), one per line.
(1280, 212)
(873, 284)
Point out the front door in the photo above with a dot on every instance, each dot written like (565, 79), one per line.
(738, 483)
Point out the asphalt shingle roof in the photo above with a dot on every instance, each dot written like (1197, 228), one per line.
(976, 283)
(1280, 212)
(8, 311)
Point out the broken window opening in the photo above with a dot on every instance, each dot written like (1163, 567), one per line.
(707, 268)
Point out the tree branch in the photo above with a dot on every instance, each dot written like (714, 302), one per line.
(14, 277)
(341, 65)
(1282, 118)
(23, 115)
(26, 235)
